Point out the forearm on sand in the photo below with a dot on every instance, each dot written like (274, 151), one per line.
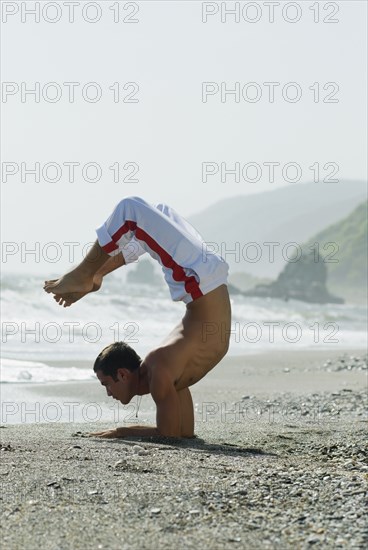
(137, 431)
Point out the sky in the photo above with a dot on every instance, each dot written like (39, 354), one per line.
(153, 114)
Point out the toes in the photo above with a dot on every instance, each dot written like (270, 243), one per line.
(50, 285)
(59, 299)
(48, 288)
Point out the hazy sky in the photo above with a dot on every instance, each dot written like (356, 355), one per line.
(166, 135)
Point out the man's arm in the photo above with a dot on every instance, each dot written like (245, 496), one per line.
(168, 421)
(131, 431)
(175, 416)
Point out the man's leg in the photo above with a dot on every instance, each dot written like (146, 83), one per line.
(133, 228)
(163, 238)
(152, 227)
(80, 279)
(68, 298)
(100, 259)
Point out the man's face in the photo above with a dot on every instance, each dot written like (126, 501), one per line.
(116, 390)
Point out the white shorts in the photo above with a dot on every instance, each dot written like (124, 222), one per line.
(136, 227)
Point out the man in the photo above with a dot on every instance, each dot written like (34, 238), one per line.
(194, 346)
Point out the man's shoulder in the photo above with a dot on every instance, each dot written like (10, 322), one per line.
(158, 356)
(160, 382)
(159, 374)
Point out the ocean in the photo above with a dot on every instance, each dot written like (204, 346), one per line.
(36, 331)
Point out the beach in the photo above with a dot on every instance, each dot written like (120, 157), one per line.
(279, 461)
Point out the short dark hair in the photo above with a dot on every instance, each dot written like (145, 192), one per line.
(116, 356)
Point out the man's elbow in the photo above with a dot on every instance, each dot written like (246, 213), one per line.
(188, 435)
(167, 432)
(175, 433)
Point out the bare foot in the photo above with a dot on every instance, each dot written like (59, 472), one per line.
(70, 298)
(67, 300)
(68, 284)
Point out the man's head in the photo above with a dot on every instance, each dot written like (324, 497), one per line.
(116, 368)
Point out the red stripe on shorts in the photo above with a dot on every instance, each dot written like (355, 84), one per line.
(190, 283)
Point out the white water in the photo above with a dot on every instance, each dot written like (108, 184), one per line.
(35, 330)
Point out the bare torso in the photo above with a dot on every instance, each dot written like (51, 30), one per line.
(197, 343)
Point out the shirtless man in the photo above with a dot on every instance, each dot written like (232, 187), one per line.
(194, 346)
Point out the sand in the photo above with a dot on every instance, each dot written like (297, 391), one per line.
(279, 461)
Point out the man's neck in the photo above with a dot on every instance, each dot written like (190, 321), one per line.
(142, 383)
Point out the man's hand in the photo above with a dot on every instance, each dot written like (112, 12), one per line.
(130, 431)
(118, 432)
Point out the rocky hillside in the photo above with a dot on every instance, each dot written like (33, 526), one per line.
(289, 214)
(343, 246)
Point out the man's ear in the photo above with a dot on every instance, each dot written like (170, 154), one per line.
(120, 374)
